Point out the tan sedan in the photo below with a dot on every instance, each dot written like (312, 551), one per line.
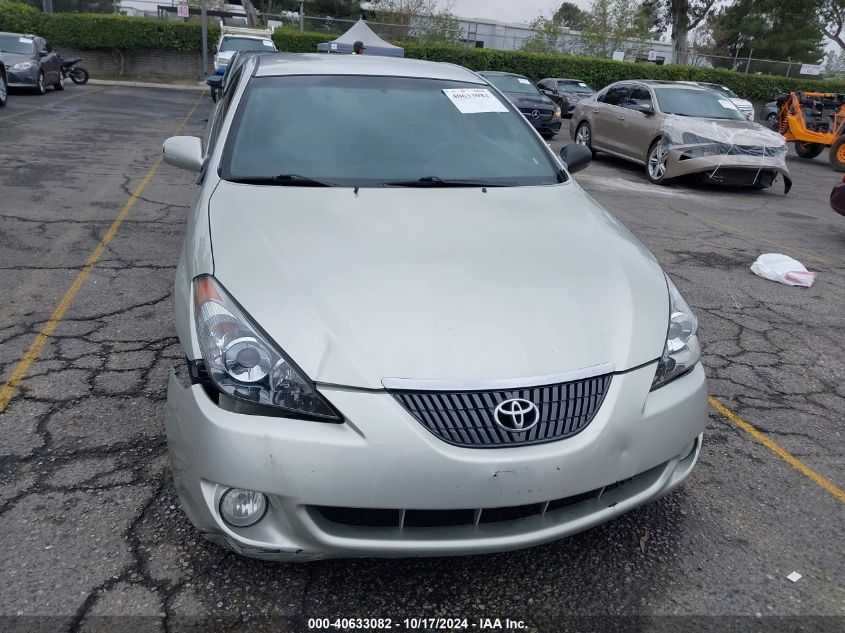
(677, 129)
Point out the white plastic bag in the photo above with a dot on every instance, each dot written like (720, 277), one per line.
(783, 269)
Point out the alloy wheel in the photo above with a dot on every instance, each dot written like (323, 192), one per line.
(657, 161)
(4, 93)
(582, 136)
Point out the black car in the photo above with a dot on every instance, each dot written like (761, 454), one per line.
(31, 62)
(565, 92)
(540, 111)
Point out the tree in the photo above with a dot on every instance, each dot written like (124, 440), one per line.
(413, 19)
(613, 25)
(680, 17)
(570, 16)
(832, 20)
(769, 29)
(546, 33)
(338, 9)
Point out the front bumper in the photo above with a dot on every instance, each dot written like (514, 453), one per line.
(22, 78)
(727, 168)
(550, 126)
(383, 458)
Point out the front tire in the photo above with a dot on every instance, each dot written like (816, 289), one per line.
(808, 150)
(60, 84)
(837, 154)
(584, 136)
(40, 88)
(79, 76)
(772, 121)
(4, 90)
(657, 162)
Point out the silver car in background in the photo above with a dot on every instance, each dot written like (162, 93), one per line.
(408, 331)
(31, 62)
(677, 129)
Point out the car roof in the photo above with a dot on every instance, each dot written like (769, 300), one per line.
(662, 83)
(17, 34)
(569, 79)
(371, 65)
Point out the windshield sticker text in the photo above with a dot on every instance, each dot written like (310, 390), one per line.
(474, 100)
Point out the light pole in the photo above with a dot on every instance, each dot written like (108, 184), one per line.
(204, 23)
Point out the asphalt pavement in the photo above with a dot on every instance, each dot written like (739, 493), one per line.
(91, 533)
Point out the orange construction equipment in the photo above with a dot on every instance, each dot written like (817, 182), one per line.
(814, 120)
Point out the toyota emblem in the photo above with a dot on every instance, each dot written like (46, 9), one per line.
(535, 114)
(516, 415)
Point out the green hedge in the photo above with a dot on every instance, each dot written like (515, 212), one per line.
(294, 41)
(103, 31)
(600, 72)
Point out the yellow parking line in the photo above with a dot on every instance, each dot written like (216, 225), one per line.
(7, 392)
(778, 450)
(738, 231)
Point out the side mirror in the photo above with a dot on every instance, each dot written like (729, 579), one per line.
(646, 108)
(576, 157)
(43, 52)
(215, 81)
(184, 152)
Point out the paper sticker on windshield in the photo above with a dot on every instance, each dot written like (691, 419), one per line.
(25, 40)
(266, 43)
(474, 100)
(582, 84)
(726, 104)
(523, 81)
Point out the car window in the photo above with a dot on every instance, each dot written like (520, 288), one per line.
(245, 44)
(366, 131)
(19, 44)
(696, 103)
(615, 95)
(638, 96)
(220, 112)
(511, 83)
(579, 87)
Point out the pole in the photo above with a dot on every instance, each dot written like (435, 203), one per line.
(788, 68)
(204, 22)
(47, 6)
(748, 63)
(301, 15)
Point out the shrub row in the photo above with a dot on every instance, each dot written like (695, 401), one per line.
(103, 31)
(294, 41)
(596, 72)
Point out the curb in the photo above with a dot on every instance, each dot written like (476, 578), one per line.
(142, 84)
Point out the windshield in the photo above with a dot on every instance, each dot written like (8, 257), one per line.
(696, 103)
(723, 89)
(245, 44)
(368, 131)
(574, 86)
(17, 44)
(511, 83)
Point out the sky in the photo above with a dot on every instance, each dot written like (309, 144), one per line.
(507, 10)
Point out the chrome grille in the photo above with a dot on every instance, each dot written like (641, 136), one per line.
(543, 115)
(465, 418)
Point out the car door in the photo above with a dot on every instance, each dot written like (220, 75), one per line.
(46, 57)
(609, 118)
(54, 62)
(638, 128)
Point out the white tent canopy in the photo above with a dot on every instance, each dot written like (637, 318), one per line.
(360, 32)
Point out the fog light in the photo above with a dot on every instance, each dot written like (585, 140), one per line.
(242, 508)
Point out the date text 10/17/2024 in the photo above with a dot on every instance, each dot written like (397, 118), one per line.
(412, 624)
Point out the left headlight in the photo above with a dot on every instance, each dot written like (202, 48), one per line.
(682, 350)
(245, 364)
(24, 66)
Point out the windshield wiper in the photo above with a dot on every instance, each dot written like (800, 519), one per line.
(435, 181)
(282, 180)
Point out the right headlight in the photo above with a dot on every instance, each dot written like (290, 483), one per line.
(24, 66)
(682, 350)
(245, 364)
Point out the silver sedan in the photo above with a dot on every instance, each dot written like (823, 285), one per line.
(408, 331)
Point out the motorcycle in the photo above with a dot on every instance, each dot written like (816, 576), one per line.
(76, 74)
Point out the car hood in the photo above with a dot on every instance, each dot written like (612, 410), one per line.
(522, 100)
(225, 55)
(574, 97)
(723, 131)
(448, 284)
(10, 59)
